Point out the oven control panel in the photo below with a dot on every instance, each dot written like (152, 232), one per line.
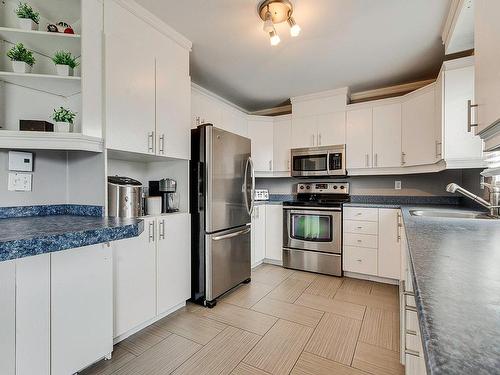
(323, 188)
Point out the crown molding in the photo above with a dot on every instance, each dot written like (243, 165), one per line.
(201, 90)
(321, 95)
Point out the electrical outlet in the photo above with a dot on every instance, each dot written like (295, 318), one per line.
(20, 181)
(397, 185)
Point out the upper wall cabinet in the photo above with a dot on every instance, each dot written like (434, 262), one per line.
(148, 92)
(387, 136)
(260, 131)
(318, 130)
(487, 72)
(359, 138)
(419, 142)
(282, 144)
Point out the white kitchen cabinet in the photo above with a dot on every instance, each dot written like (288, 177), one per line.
(331, 128)
(282, 143)
(387, 136)
(148, 92)
(33, 315)
(359, 133)
(372, 241)
(439, 110)
(81, 307)
(134, 276)
(130, 101)
(274, 233)
(260, 131)
(487, 74)
(234, 121)
(304, 132)
(205, 110)
(461, 148)
(389, 243)
(258, 234)
(173, 105)
(8, 317)
(173, 261)
(418, 130)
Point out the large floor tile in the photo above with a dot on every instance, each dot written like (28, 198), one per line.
(162, 358)
(356, 286)
(310, 364)
(247, 295)
(302, 275)
(120, 357)
(244, 369)
(249, 320)
(381, 328)
(141, 341)
(325, 286)
(269, 274)
(279, 349)
(380, 289)
(370, 300)
(289, 290)
(335, 338)
(221, 355)
(376, 360)
(295, 313)
(347, 309)
(192, 326)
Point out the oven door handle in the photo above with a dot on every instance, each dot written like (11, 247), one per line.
(303, 210)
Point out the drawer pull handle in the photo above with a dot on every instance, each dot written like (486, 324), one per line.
(359, 227)
(410, 308)
(360, 241)
(409, 294)
(412, 352)
(359, 260)
(411, 332)
(359, 214)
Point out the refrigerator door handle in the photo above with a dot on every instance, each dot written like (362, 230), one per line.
(252, 204)
(231, 235)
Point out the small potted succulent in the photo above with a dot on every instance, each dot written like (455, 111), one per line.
(28, 18)
(22, 58)
(64, 120)
(65, 63)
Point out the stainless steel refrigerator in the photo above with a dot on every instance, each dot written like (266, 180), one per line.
(222, 182)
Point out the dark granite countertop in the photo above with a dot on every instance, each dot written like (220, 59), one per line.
(26, 236)
(456, 275)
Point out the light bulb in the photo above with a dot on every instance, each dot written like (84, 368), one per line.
(294, 28)
(274, 38)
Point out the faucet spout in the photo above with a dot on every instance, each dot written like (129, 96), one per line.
(454, 188)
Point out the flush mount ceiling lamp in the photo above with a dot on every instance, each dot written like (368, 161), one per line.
(273, 12)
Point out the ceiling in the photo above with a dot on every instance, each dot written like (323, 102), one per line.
(363, 44)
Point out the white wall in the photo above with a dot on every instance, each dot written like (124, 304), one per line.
(429, 184)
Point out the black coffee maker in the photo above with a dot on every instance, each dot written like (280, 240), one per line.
(167, 190)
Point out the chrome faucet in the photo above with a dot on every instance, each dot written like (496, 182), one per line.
(493, 205)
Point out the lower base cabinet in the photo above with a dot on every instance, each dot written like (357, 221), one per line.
(81, 307)
(258, 234)
(274, 233)
(152, 272)
(7, 317)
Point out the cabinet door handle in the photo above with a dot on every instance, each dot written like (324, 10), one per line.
(319, 139)
(162, 144)
(367, 160)
(151, 232)
(288, 165)
(162, 230)
(151, 142)
(270, 165)
(313, 138)
(398, 227)
(438, 149)
(470, 125)
(375, 160)
(403, 158)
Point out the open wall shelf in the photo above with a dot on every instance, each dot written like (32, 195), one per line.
(57, 85)
(25, 140)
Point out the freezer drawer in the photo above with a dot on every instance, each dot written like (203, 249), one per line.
(227, 260)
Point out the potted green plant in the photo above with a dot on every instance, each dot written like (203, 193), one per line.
(22, 58)
(64, 119)
(65, 63)
(28, 18)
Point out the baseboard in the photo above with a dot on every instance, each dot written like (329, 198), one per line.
(377, 279)
(273, 262)
(123, 336)
(255, 265)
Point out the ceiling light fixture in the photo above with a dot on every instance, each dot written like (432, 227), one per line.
(273, 12)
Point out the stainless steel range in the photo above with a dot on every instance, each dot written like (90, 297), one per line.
(312, 228)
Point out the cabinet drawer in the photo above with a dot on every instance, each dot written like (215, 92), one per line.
(363, 214)
(414, 365)
(361, 240)
(411, 321)
(361, 227)
(410, 301)
(360, 260)
(413, 343)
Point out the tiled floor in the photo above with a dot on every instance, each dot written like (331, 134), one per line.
(283, 322)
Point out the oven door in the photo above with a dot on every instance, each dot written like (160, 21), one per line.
(313, 229)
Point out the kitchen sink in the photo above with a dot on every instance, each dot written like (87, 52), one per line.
(451, 214)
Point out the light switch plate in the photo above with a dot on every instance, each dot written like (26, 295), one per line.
(397, 185)
(20, 161)
(20, 181)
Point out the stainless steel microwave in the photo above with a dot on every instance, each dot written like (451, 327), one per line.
(321, 161)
